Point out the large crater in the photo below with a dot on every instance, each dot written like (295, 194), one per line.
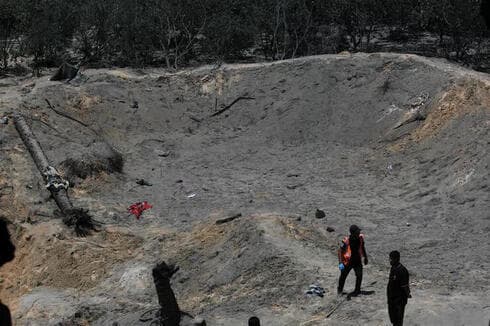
(397, 144)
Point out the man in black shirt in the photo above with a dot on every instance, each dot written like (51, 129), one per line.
(351, 252)
(398, 290)
(7, 250)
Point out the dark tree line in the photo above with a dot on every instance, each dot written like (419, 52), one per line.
(177, 32)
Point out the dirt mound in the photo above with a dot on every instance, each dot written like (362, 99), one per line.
(47, 256)
(91, 161)
(221, 265)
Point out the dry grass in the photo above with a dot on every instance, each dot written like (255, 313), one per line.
(84, 102)
(294, 230)
(463, 98)
(92, 166)
(208, 235)
(45, 257)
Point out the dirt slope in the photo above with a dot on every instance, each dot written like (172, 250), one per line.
(397, 144)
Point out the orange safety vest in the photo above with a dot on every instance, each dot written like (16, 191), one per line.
(346, 253)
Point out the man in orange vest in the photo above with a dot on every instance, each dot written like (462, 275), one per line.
(351, 253)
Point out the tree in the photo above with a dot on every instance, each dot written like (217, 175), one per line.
(9, 30)
(177, 26)
(286, 27)
(49, 27)
(457, 23)
(485, 12)
(94, 34)
(231, 27)
(132, 38)
(360, 19)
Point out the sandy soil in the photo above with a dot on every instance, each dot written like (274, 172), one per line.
(397, 144)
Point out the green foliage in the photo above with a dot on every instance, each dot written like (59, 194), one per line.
(9, 30)
(174, 32)
(230, 27)
(94, 35)
(48, 28)
(177, 28)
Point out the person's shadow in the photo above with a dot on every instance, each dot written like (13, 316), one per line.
(354, 294)
(7, 253)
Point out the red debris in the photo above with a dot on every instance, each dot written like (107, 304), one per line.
(137, 208)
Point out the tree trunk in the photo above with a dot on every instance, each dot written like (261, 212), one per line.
(170, 313)
(78, 218)
(40, 160)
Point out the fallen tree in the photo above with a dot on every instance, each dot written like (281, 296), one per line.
(78, 218)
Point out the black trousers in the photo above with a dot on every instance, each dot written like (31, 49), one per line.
(396, 310)
(345, 272)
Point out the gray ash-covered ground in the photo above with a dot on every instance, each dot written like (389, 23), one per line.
(319, 132)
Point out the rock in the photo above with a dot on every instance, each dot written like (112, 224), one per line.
(37, 306)
(135, 281)
(143, 182)
(65, 71)
(187, 320)
(228, 219)
(198, 321)
(320, 214)
(330, 229)
(27, 88)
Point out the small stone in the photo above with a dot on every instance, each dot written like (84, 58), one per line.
(163, 153)
(320, 214)
(198, 321)
(143, 182)
(59, 236)
(330, 229)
